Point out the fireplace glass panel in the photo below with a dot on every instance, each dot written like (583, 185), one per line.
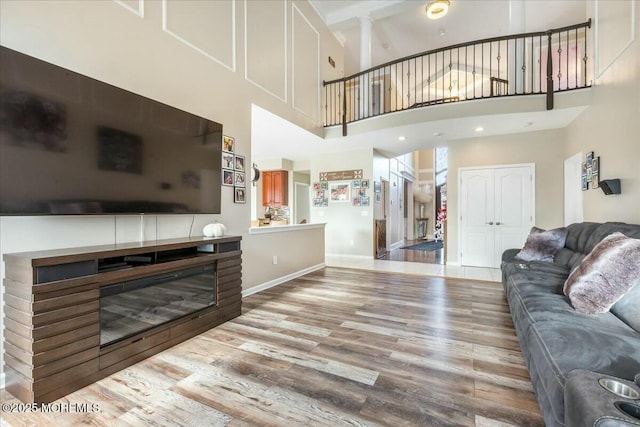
(131, 307)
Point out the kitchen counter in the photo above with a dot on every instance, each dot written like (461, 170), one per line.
(283, 228)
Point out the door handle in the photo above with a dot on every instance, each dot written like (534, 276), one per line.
(490, 223)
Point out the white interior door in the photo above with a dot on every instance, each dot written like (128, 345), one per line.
(477, 217)
(573, 189)
(496, 212)
(513, 213)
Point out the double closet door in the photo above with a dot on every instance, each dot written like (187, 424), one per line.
(497, 208)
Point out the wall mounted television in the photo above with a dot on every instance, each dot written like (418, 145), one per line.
(72, 145)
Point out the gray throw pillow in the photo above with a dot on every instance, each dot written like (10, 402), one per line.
(605, 275)
(542, 245)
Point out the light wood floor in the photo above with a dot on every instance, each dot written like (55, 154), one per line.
(335, 347)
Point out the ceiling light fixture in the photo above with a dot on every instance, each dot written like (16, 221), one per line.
(436, 9)
(402, 138)
(479, 129)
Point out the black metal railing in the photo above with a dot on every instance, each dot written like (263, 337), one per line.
(524, 64)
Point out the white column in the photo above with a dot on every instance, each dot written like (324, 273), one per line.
(365, 42)
(365, 63)
(517, 25)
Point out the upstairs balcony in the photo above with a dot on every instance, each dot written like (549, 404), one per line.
(537, 63)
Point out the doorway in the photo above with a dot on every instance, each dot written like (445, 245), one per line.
(301, 195)
(497, 206)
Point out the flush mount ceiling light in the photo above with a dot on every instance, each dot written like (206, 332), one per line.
(436, 9)
(402, 138)
(479, 129)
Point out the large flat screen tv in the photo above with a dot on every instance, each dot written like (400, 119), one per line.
(70, 144)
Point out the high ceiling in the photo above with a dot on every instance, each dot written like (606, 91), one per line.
(400, 28)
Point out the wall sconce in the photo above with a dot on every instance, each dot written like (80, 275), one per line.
(610, 186)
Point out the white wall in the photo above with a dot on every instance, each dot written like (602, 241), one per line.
(611, 125)
(545, 149)
(199, 57)
(349, 228)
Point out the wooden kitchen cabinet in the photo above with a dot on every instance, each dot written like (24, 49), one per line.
(275, 188)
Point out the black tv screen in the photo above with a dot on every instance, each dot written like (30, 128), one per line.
(70, 144)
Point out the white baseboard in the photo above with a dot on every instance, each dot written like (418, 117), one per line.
(349, 256)
(271, 283)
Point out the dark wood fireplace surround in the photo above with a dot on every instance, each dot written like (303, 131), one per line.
(52, 310)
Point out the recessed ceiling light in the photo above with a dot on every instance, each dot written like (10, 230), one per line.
(479, 129)
(437, 9)
(402, 138)
(438, 134)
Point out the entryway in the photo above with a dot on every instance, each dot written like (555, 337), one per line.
(412, 255)
(497, 209)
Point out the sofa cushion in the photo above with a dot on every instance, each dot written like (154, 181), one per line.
(556, 349)
(534, 297)
(542, 245)
(582, 238)
(628, 307)
(605, 275)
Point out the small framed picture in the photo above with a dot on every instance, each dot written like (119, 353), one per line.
(378, 197)
(364, 183)
(324, 185)
(356, 183)
(227, 160)
(361, 192)
(239, 179)
(595, 166)
(589, 158)
(316, 186)
(239, 195)
(339, 192)
(589, 173)
(319, 202)
(595, 180)
(228, 144)
(585, 184)
(227, 177)
(376, 186)
(356, 201)
(239, 165)
(364, 201)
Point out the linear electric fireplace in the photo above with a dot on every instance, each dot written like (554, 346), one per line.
(128, 308)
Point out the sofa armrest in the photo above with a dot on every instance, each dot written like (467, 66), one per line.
(509, 254)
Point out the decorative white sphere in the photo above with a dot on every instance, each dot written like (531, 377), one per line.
(214, 230)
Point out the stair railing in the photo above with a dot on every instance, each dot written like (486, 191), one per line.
(523, 64)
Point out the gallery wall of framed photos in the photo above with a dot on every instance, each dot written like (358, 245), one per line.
(591, 171)
(341, 187)
(234, 173)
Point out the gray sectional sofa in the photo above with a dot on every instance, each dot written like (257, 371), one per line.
(554, 338)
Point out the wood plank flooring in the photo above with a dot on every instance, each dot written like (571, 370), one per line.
(334, 347)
